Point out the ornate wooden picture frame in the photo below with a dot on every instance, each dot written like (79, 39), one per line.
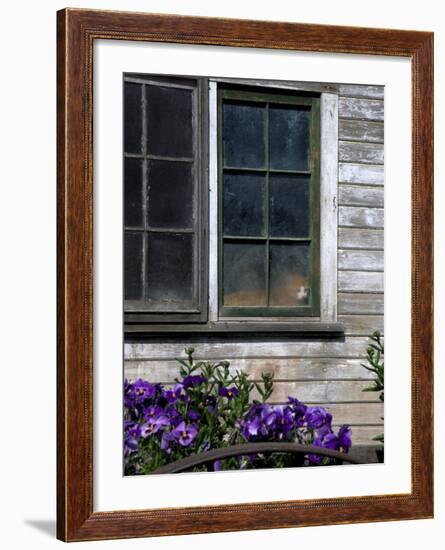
(77, 31)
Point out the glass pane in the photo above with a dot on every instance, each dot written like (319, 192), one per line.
(244, 274)
(244, 204)
(170, 269)
(289, 206)
(243, 135)
(132, 117)
(169, 122)
(289, 272)
(133, 192)
(289, 138)
(170, 194)
(133, 265)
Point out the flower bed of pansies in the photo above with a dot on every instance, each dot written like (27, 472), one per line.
(208, 408)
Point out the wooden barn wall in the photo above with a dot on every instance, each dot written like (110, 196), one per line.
(327, 373)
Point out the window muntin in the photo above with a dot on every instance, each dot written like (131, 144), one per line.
(162, 212)
(269, 178)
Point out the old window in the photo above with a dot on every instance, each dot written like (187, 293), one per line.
(163, 199)
(226, 205)
(268, 204)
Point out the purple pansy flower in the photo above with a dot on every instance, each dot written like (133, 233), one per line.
(299, 409)
(153, 425)
(166, 441)
(280, 419)
(132, 435)
(193, 380)
(317, 417)
(152, 411)
(193, 415)
(251, 428)
(174, 394)
(141, 391)
(185, 434)
(230, 393)
(344, 438)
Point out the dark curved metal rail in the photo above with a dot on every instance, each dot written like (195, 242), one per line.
(247, 449)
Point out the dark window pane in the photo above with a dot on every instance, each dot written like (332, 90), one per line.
(133, 192)
(289, 270)
(133, 264)
(132, 117)
(169, 269)
(289, 206)
(289, 138)
(243, 135)
(169, 122)
(243, 204)
(244, 274)
(170, 195)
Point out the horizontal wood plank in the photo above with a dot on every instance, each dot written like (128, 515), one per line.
(283, 368)
(356, 413)
(362, 435)
(360, 281)
(360, 173)
(360, 90)
(349, 237)
(328, 391)
(355, 216)
(357, 108)
(361, 130)
(367, 153)
(360, 195)
(323, 392)
(208, 349)
(361, 303)
(361, 260)
(319, 87)
(362, 324)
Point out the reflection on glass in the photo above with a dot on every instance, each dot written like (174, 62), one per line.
(169, 269)
(133, 192)
(133, 117)
(170, 195)
(289, 270)
(289, 206)
(244, 274)
(244, 204)
(289, 137)
(133, 265)
(169, 122)
(243, 135)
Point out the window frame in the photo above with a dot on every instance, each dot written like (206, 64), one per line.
(140, 312)
(142, 324)
(274, 96)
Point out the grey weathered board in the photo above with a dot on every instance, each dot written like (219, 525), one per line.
(360, 260)
(357, 216)
(361, 108)
(361, 131)
(328, 373)
(360, 281)
(288, 368)
(353, 238)
(360, 195)
(360, 303)
(367, 153)
(369, 174)
(360, 90)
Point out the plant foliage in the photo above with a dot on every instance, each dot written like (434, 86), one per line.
(211, 406)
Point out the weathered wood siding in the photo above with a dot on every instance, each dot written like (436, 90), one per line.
(328, 373)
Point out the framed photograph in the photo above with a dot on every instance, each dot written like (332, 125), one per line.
(245, 228)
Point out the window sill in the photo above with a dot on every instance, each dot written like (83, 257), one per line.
(302, 329)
